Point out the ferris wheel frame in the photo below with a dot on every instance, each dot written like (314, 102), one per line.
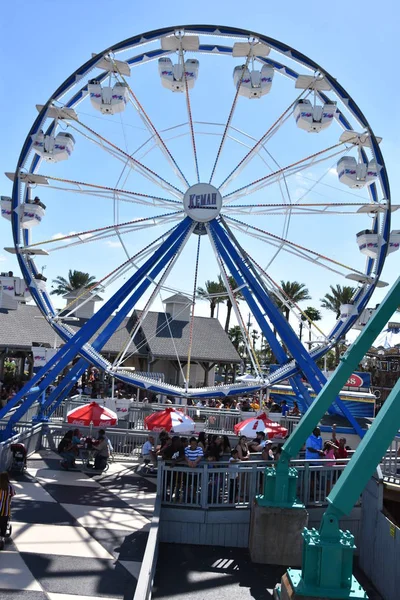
(21, 236)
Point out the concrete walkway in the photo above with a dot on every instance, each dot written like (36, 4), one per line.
(217, 573)
(76, 536)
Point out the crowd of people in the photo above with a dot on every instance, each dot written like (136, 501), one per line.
(209, 447)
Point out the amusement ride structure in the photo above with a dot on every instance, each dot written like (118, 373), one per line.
(250, 191)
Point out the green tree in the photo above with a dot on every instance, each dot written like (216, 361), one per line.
(210, 292)
(339, 295)
(313, 314)
(295, 292)
(76, 280)
(236, 336)
(236, 294)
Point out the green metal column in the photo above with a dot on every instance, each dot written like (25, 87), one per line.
(279, 489)
(328, 553)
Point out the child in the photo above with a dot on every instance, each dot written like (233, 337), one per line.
(6, 493)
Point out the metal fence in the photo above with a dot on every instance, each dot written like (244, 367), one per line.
(390, 464)
(127, 444)
(235, 485)
(31, 438)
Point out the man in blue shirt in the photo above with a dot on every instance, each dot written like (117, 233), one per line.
(284, 408)
(314, 445)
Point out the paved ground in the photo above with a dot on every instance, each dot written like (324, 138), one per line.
(202, 573)
(199, 573)
(75, 536)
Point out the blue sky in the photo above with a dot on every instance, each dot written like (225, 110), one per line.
(43, 42)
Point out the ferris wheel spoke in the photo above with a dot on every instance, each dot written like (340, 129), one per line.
(116, 233)
(189, 111)
(132, 262)
(110, 192)
(311, 255)
(151, 127)
(99, 233)
(261, 142)
(320, 208)
(291, 169)
(155, 292)
(245, 333)
(230, 117)
(135, 164)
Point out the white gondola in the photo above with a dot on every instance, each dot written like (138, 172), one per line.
(364, 318)
(368, 242)
(314, 119)
(173, 76)
(346, 310)
(253, 84)
(53, 148)
(6, 207)
(356, 174)
(108, 100)
(40, 281)
(13, 290)
(31, 212)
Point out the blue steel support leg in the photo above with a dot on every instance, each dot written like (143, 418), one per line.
(298, 386)
(67, 352)
(314, 375)
(99, 343)
(64, 387)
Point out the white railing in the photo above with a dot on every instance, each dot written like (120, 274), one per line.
(222, 485)
(390, 464)
(127, 443)
(31, 438)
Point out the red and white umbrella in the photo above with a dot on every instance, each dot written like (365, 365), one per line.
(171, 420)
(249, 427)
(92, 414)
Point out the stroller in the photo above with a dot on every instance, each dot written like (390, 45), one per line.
(19, 453)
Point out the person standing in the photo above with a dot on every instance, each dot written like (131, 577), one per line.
(313, 451)
(102, 451)
(314, 445)
(6, 493)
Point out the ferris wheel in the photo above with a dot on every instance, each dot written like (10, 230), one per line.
(192, 150)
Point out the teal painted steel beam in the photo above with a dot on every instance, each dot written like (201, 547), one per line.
(373, 446)
(328, 553)
(278, 494)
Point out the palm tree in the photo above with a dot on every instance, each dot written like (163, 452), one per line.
(236, 294)
(210, 292)
(76, 280)
(295, 292)
(313, 314)
(339, 295)
(236, 336)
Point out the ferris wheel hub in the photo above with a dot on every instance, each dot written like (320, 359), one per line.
(202, 202)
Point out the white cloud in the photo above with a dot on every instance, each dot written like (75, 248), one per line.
(57, 236)
(116, 244)
(2, 258)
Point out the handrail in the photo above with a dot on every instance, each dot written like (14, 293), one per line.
(224, 485)
(145, 580)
